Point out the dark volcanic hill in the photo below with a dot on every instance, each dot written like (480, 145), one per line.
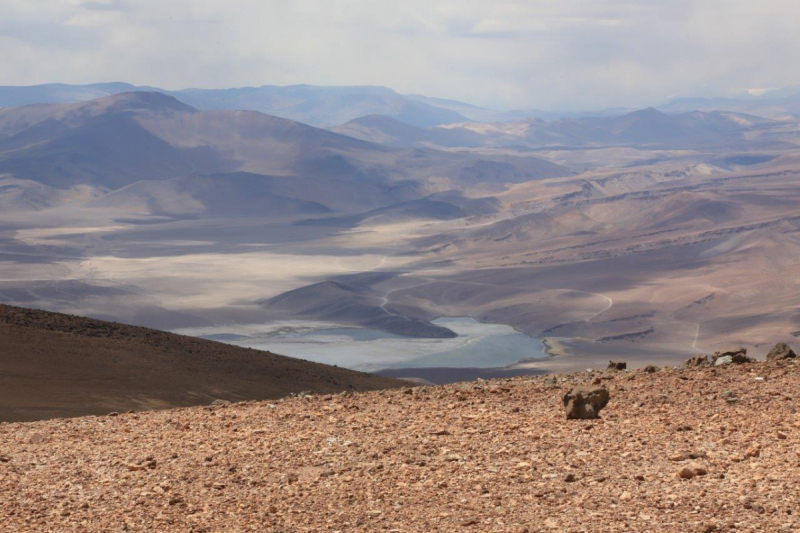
(56, 365)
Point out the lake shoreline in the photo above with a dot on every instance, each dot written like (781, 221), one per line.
(478, 345)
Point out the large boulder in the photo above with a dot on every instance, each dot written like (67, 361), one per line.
(617, 365)
(585, 402)
(781, 351)
(735, 355)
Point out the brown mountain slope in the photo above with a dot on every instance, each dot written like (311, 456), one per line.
(483, 456)
(55, 365)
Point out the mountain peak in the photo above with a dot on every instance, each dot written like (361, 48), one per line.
(647, 112)
(137, 100)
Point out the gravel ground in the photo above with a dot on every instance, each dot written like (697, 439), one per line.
(713, 449)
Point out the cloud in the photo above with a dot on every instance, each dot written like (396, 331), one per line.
(505, 53)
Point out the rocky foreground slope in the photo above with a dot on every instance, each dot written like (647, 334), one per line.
(691, 449)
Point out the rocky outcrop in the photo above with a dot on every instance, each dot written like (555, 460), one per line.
(734, 355)
(585, 402)
(781, 351)
(617, 365)
(697, 360)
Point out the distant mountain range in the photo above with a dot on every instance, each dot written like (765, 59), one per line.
(314, 105)
(333, 106)
(311, 104)
(783, 103)
(786, 107)
(647, 127)
(148, 152)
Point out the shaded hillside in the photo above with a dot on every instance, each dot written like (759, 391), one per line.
(55, 365)
(237, 194)
(100, 143)
(353, 299)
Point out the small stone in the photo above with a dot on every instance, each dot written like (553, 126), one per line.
(149, 462)
(37, 438)
(686, 473)
(570, 478)
(650, 369)
(753, 451)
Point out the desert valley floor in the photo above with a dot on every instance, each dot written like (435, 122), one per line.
(654, 235)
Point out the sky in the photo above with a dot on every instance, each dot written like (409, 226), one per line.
(544, 54)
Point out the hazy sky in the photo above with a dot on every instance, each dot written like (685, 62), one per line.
(553, 54)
